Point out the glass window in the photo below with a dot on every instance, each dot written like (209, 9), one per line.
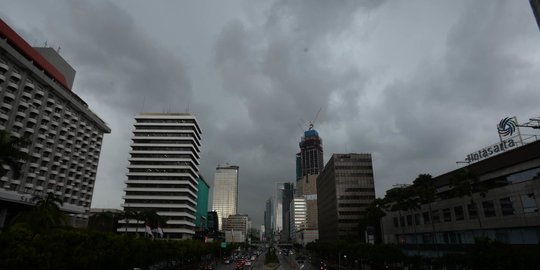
(529, 203)
(425, 215)
(417, 219)
(402, 221)
(458, 212)
(409, 220)
(507, 208)
(489, 208)
(473, 212)
(435, 216)
(524, 176)
(396, 222)
(447, 216)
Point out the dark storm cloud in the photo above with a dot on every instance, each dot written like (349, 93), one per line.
(119, 61)
(277, 72)
(420, 84)
(450, 107)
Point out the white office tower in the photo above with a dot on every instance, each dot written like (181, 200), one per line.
(162, 173)
(225, 194)
(298, 219)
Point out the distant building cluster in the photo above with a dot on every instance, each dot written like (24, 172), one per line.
(326, 202)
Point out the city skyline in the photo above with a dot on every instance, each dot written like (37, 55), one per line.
(420, 84)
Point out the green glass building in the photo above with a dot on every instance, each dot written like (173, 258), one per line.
(201, 215)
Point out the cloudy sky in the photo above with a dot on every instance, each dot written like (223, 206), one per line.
(419, 84)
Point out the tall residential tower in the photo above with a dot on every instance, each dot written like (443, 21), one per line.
(163, 173)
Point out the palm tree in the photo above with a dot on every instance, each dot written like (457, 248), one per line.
(10, 153)
(45, 215)
(102, 221)
(426, 191)
(126, 216)
(48, 209)
(372, 216)
(464, 184)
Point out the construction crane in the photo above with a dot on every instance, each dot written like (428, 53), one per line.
(311, 123)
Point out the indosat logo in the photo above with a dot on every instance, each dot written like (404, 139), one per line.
(507, 127)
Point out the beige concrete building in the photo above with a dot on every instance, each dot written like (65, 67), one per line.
(509, 211)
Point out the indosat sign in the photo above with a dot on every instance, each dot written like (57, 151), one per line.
(510, 138)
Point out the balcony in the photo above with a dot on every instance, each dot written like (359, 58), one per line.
(16, 76)
(21, 114)
(29, 130)
(13, 86)
(29, 85)
(3, 67)
(18, 124)
(10, 95)
(7, 106)
(2, 78)
(24, 104)
(40, 92)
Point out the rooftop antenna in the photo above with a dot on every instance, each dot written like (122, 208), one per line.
(187, 108)
(531, 123)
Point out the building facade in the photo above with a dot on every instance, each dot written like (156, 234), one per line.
(298, 216)
(163, 172)
(225, 195)
(506, 210)
(213, 222)
(236, 228)
(282, 199)
(345, 189)
(268, 216)
(201, 216)
(311, 153)
(64, 135)
(309, 164)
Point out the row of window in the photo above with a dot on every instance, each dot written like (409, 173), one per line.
(457, 213)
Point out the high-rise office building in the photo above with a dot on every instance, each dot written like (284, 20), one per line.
(345, 188)
(225, 194)
(309, 163)
(268, 215)
(201, 215)
(212, 223)
(298, 217)
(37, 102)
(282, 200)
(163, 171)
(310, 159)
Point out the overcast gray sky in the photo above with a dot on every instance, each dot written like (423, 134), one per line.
(419, 84)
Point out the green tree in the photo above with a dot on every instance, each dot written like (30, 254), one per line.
(11, 154)
(45, 215)
(466, 183)
(372, 217)
(401, 199)
(426, 190)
